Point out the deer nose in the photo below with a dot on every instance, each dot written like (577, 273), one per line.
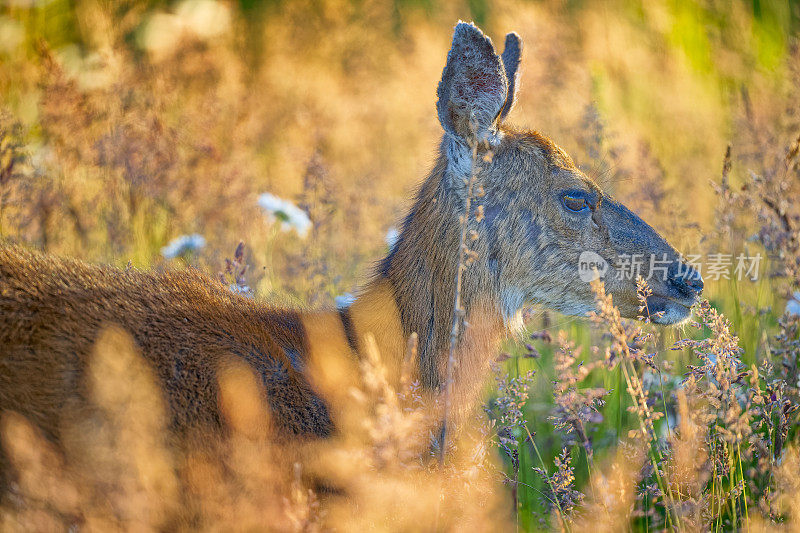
(687, 280)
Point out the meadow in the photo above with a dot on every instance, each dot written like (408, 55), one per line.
(147, 134)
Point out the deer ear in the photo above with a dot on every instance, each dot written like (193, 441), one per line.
(474, 87)
(511, 55)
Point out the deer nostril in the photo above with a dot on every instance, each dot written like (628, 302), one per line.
(695, 282)
(688, 279)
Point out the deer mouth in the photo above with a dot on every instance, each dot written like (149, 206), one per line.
(668, 311)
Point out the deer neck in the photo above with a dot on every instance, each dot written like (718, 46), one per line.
(414, 292)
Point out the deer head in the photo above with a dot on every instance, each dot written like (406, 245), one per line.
(547, 228)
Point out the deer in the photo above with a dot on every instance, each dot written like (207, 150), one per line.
(539, 216)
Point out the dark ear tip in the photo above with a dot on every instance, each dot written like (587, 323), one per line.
(467, 28)
(511, 56)
(467, 32)
(513, 40)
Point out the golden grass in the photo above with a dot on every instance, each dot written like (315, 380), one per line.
(110, 149)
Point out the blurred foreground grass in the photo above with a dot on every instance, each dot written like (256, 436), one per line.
(128, 124)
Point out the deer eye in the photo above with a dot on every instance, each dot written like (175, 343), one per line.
(574, 203)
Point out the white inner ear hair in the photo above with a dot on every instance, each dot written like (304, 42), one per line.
(459, 154)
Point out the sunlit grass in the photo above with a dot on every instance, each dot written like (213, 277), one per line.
(115, 142)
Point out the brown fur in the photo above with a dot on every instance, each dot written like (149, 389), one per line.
(185, 324)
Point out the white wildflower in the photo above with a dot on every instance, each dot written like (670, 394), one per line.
(290, 216)
(203, 19)
(344, 301)
(160, 33)
(183, 245)
(92, 70)
(244, 290)
(392, 235)
(793, 305)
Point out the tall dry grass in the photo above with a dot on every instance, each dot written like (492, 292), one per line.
(126, 125)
